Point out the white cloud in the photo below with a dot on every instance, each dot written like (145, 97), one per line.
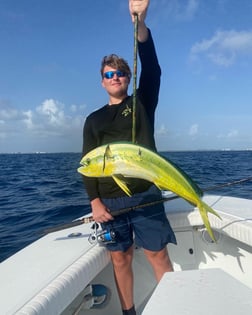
(224, 47)
(189, 9)
(47, 123)
(52, 112)
(76, 108)
(178, 9)
(73, 108)
(229, 135)
(233, 134)
(7, 113)
(49, 118)
(193, 130)
(28, 119)
(162, 130)
(11, 119)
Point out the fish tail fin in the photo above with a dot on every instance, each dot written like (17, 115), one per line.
(204, 209)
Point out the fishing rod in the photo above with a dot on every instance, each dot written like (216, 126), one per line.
(90, 219)
(134, 79)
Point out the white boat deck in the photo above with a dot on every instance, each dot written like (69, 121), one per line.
(46, 276)
(236, 214)
(197, 292)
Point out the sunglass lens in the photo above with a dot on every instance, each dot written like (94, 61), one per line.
(119, 73)
(110, 74)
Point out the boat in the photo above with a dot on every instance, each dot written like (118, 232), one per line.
(68, 272)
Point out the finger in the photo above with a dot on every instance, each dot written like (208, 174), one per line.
(104, 218)
(138, 7)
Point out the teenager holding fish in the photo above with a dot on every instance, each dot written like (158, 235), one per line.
(113, 123)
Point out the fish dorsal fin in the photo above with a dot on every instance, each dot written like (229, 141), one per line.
(139, 155)
(121, 182)
(107, 155)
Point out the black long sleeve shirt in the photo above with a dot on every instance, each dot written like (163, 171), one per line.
(113, 123)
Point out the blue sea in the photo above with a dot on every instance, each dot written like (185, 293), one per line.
(38, 191)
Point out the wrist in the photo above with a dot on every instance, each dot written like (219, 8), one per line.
(143, 32)
(95, 202)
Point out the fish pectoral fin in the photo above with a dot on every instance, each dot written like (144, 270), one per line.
(204, 209)
(121, 182)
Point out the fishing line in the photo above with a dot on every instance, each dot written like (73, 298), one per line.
(152, 203)
(90, 219)
(134, 79)
(240, 181)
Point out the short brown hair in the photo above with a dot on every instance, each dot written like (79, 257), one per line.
(115, 62)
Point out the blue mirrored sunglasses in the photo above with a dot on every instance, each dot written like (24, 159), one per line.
(110, 74)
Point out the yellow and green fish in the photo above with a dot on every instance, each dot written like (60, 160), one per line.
(122, 160)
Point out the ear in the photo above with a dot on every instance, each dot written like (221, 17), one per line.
(102, 83)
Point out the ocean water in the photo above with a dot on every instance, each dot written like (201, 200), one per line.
(38, 191)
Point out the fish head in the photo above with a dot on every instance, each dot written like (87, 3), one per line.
(97, 163)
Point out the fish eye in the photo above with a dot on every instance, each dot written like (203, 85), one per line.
(86, 162)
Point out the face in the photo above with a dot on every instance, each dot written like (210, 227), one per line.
(116, 86)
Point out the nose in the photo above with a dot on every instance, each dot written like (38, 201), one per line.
(115, 76)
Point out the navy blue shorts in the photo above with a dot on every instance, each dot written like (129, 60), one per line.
(149, 225)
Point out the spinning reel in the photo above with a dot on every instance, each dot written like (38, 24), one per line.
(101, 237)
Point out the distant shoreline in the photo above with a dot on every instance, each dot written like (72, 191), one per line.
(161, 151)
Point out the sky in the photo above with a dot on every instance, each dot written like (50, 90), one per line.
(50, 54)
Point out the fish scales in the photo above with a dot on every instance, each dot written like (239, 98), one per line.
(122, 160)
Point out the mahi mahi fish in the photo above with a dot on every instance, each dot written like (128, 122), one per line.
(122, 160)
